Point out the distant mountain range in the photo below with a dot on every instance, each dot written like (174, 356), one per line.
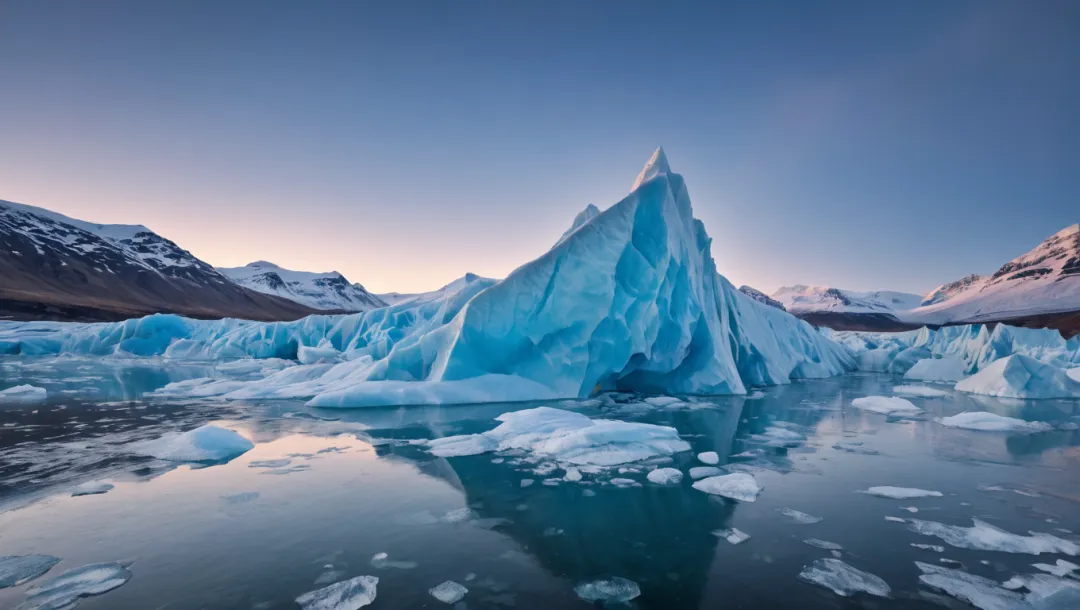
(322, 291)
(1039, 288)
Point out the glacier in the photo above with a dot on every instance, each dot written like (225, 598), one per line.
(628, 300)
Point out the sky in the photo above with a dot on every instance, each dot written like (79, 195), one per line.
(863, 145)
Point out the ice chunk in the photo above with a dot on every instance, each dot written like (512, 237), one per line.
(468, 444)
(612, 590)
(843, 579)
(348, 594)
(91, 488)
(527, 482)
(823, 544)
(901, 493)
(732, 535)
(662, 401)
(709, 457)
(978, 591)
(895, 519)
(985, 537)
(798, 516)
(892, 406)
(947, 369)
(920, 391)
(448, 592)
(382, 560)
(665, 476)
(17, 569)
(1021, 376)
(937, 548)
(737, 486)
(990, 422)
(22, 394)
(572, 474)
(65, 590)
(203, 444)
(1061, 568)
(700, 472)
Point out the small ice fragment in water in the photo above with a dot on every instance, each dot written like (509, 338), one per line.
(990, 422)
(985, 537)
(91, 488)
(459, 515)
(203, 444)
(843, 579)
(665, 476)
(978, 591)
(527, 482)
(611, 590)
(798, 516)
(732, 535)
(1063, 568)
(937, 548)
(662, 401)
(65, 590)
(345, 595)
(17, 569)
(951, 561)
(448, 592)
(910, 509)
(737, 486)
(622, 482)
(709, 457)
(895, 519)
(891, 406)
(700, 472)
(823, 544)
(382, 560)
(755, 395)
(573, 475)
(901, 493)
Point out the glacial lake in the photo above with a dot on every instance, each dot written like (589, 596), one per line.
(324, 491)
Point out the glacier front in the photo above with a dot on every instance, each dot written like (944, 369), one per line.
(629, 300)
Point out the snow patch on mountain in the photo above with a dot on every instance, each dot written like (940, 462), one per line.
(815, 299)
(322, 291)
(761, 297)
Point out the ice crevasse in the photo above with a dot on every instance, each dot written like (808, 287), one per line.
(629, 299)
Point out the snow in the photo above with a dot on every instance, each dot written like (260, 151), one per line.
(448, 592)
(732, 535)
(206, 443)
(17, 569)
(92, 488)
(978, 591)
(709, 457)
(321, 291)
(567, 437)
(892, 406)
(700, 472)
(737, 486)
(990, 422)
(901, 493)
(612, 590)
(665, 476)
(65, 590)
(348, 594)
(630, 301)
(22, 394)
(1020, 376)
(919, 391)
(798, 516)
(815, 299)
(947, 369)
(843, 579)
(985, 537)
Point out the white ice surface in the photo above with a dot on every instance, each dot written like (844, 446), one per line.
(448, 592)
(665, 476)
(843, 579)
(901, 493)
(920, 391)
(17, 569)
(206, 443)
(348, 594)
(65, 590)
(22, 394)
(892, 406)
(991, 422)
(732, 535)
(709, 457)
(797, 516)
(942, 370)
(739, 486)
(1021, 376)
(985, 537)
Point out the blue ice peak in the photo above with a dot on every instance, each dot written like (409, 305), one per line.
(658, 164)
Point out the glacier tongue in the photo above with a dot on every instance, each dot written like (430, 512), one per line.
(630, 300)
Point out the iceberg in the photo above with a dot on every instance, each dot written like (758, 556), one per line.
(1020, 376)
(843, 579)
(611, 590)
(941, 370)
(892, 406)
(203, 444)
(22, 394)
(906, 359)
(665, 476)
(985, 537)
(628, 300)
(17, 569)
(737, 486)
(990, 422)
(65, 590)
(350, 594)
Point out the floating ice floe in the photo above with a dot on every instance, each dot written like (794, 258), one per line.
(779, 436)
(567, 437)
(23, 394)
(64, 591)
(980, 592)
(348, 594)
(941, 370)
(17, 569)
(937, 548)
(737, 486)
(797, 516)
(892, 406)
(203, 444)
(700, 472)
(985, 537)
(708, 457)
(901, 493)
(1020, 376)
(1061, 568)
(991, 422)
(732, 535)
(919, 391)
(612, 590)
(665, 476)
(448, 592)
(843, 579)
(382, 561)
(91, 488)
(823, 544)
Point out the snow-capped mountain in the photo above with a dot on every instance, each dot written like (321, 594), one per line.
(395, 298)
(761, 297)
(816, 299)
(322, 291)
(56, 267)
(1045, 280)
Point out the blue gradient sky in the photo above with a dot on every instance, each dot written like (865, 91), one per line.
(859, 144)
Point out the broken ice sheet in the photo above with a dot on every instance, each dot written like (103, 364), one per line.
(448, 592)
(17, 569)
(64, 591)
(799, 517)
(737, 486)
(843, 579)
(985, 537)
(610, 590)
(348, 594)
(732, 535)
(1061, 568)
(978, 591)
